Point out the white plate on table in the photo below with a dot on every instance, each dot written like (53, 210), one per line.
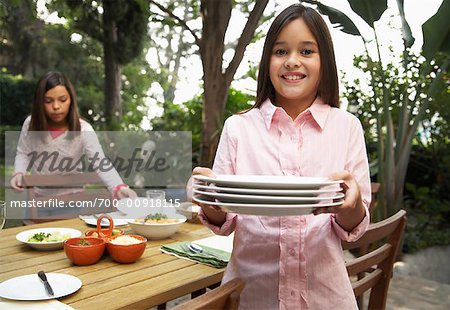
(25, 235)
(268, 209)
(91, 220)
(267, 181)
(142, 206)
(268, 192)
(30, 287)
(238, 198)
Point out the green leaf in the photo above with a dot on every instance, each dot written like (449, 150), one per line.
(337, 18)
(369, 10)
(406, 30)
(436, 32)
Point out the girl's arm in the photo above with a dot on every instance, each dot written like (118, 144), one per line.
(22, 159)
(356, 184)
(352, 211)
(352, 217)
(108, 173)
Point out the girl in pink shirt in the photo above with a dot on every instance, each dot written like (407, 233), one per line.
(294, 128)
(55, 126)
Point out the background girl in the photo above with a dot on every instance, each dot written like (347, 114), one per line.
(294, 128)
(55, 125)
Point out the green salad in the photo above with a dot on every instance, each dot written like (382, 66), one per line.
(48, 237)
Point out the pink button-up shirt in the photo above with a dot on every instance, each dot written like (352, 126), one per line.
(292, 262)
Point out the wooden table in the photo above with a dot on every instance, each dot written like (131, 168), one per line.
(153, 280)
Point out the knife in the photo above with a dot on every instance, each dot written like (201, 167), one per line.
(43, 277)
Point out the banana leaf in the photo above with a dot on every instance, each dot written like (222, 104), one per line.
(338, 19)
(436, 32)
(369, 10)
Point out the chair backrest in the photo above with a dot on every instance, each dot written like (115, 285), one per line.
(223, 297)
(65, 181)
(375, 187)
(383, 240)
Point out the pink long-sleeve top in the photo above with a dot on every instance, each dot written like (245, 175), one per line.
(292, 262)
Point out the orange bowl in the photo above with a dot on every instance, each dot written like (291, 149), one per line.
(84, 250)
(126, 253)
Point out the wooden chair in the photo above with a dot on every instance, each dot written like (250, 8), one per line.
(375, 187)
(66, 181)
(383, 239)
(220, 298)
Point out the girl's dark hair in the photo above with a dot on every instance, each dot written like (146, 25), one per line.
(328, 86)
(45, 83)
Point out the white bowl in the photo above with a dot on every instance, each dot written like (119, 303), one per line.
(25, 235)
(156, 231)
(190, 211)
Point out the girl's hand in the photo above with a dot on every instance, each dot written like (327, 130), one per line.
(203, 171)
(214, 214)
(16, 182)
(352, 211)
(126, 192)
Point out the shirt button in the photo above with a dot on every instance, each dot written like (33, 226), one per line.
(292, 293)
(292, 252)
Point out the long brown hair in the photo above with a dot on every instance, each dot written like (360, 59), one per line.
(48, 81)
(328, 88)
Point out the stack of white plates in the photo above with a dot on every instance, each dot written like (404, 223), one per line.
(267, 195)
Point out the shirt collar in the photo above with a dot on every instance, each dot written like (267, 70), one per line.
(318, 110)
(268, 111)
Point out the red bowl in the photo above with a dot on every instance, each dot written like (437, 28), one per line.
(128, 253)
(80, 253)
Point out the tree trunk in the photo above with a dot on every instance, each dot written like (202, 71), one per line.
(216, 17)
(113, 69)
(214, 99)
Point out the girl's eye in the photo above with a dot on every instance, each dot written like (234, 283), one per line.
(306, 52)
(48, 100)
(280, 52)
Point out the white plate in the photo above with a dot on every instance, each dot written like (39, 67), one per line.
(268, 192)
(30, 287)
(142, 206)
(268, 209)
(25, 235)
(268, 181)
(225, 197)
(188, 209)
(105, 223)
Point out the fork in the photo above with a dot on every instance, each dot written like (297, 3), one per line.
(203, 252)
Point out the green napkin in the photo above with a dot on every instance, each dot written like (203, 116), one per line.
(211, 257)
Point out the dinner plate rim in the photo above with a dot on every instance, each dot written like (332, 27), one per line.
(285, 181)
(259, 205)
(300, 200)
(268, 210)
(51, 276)
(266, 191)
